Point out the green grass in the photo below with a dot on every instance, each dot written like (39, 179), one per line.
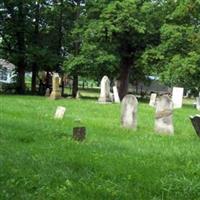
(87, 93)
(39, 160)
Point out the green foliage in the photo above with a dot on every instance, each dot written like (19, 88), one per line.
(45, 26)
(93, 38)
(176, 59)
(115, 33)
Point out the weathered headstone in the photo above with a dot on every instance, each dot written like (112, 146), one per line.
(196, 123)
(198, 103)
(78, 95)
(129, 112)
(47, 93)
(116, 95)
(79, 133)
(56, 93)
(152, 101)
(105, 90)
(163, 118)
(177, 97)
(60, 111)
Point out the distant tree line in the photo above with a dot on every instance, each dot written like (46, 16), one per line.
(126, 40)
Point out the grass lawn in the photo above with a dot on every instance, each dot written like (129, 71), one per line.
(39, 160)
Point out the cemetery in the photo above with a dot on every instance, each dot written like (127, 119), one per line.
(99, 100)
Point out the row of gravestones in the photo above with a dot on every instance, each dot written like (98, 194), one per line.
(164, 105)
(163, 117)
(177, 98)
(106, 96)
(164, 108)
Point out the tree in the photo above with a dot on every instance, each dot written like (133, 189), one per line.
(13, 32)
(114, 37)
(27, 31)
(176, 60)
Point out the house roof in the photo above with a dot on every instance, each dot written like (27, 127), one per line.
(6, 64)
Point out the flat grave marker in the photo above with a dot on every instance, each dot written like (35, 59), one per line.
(60, 111)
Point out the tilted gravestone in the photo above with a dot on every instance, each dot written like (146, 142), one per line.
(116, 95)
(163, 118)
(56, 93)
(105, 90)
(129, 112)
(152, 101)
(196, 123)
(60, 111)
(177, 97)
(198, 103)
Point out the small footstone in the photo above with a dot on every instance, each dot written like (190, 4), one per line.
(129, 111)
(79, 133)
(196, 123)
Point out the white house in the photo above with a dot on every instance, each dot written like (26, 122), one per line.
(7, 73)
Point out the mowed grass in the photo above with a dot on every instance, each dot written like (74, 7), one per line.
(39, 159)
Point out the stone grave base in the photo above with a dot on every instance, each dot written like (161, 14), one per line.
(79, 133)
(55, 95)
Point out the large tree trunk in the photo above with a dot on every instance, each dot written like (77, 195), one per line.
(62, 86)
(124, 77)
(48, 80)
(21, 77)
(77, 50)
(21, 51)
(75, 86)
(34, 78)
(59, 27)
(36, 43)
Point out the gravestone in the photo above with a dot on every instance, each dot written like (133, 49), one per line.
(198, 103)
(60, 111)
(47, 93)
(78, 95)
(79, 133)
(177, 97)
(196, 123)
(116, 95)
(129, 112)
(105, 90)
(163, 118)
(111, 97)
(152, 101)
(56, 93)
